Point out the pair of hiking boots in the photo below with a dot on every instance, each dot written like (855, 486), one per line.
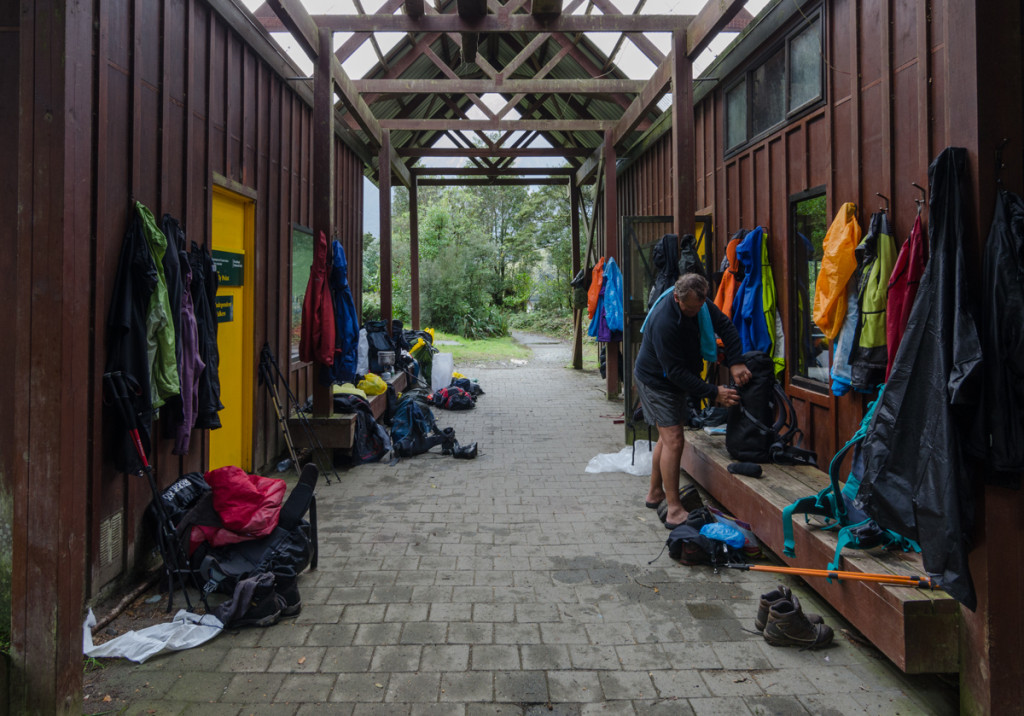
(450, 446)
(268, 601)
(782, 621)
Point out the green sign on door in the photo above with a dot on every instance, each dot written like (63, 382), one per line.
(230, 267)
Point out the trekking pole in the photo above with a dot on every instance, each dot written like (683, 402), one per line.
(896, 580)
(314, 439)
(264, 377)
(171, 551)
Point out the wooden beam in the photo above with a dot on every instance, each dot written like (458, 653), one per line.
(498, 125)
(385, 229)
(641, 41)
(611, 250)
(299, 23)
(590, 166)
(574, 237)
(714, 16)
(413, 8)
(323, 178)
(468, 152)
(450, 22)
(471, 10)
(683, 177)
(481, 86)
(511, 171)
(546, 7)
(414, 256)
(492, 182)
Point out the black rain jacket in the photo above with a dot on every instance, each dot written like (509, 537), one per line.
(914, 480)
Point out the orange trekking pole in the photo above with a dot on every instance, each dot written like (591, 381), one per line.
(897, 580)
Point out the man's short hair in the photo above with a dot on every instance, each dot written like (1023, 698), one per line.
(691, 284)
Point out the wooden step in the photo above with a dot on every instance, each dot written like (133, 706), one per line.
(915, 628)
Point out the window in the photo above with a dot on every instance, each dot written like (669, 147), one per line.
(808, 223)
(302, 261)
(784, 82)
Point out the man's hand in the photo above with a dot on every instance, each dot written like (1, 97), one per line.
(728, 396)
(740, 373)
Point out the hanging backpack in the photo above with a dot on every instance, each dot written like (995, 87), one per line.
(689, 257)
(763, 427)
(452, 398)
(413, 429)
(838, 506)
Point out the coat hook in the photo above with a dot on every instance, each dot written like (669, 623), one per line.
(999, 161)
(886, 207)
(924, 196)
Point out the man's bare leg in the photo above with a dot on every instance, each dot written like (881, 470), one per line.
(656, 493)
(670, 440)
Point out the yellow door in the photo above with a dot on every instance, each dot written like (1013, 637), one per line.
(232, 222)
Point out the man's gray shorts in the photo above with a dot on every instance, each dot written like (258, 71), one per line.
(662, 408)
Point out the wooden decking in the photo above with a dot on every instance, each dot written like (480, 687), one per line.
(917, 629)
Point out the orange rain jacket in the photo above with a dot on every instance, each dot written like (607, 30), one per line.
(837, 267)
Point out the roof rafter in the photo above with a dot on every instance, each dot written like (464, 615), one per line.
(450, 22)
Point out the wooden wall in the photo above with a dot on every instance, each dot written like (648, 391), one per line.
(185, 97)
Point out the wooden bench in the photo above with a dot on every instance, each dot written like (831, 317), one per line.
(338, 431)
(915, 628)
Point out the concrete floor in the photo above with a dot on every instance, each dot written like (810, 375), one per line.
(514, 584)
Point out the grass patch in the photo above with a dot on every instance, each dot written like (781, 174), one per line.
(480, 351)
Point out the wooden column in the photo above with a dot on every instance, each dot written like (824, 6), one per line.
(46, 381)
(323, 180)
(684, 202)
(611, 250)
(414, 255)
(984, 70)
(577, 313)
(385, 226)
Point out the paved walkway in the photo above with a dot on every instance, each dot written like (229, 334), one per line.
(515, 584)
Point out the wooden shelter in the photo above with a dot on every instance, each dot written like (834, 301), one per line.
(179, 104)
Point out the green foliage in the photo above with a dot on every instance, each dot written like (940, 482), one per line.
(371, 264)
(557, 324)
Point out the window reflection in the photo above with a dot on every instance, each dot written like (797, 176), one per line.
(808, 224)
(302, 261)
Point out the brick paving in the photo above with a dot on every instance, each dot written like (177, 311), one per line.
(516, 584)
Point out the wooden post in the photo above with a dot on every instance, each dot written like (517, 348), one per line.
(684, 202)
(45, 374)
(414, 255)
(611, 250)
(577, 313)
(385, 227)
(323, 180)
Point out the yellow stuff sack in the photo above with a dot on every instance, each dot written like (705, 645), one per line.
(372, 384)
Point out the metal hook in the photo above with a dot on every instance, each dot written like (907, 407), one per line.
(999, 160)
(924, 196)
(886, 207)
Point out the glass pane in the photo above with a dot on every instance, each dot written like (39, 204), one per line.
(302, 261)
(805, 67)
(808, 221)
(736, 115)
(768, 97)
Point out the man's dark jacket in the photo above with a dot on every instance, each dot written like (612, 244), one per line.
(670, 359)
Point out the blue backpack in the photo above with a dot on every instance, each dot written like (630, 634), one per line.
(413, 430)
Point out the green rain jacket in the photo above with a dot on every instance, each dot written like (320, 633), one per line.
(159, 327)
(876, 257)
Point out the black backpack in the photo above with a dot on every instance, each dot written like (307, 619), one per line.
(452, 398)
(378, 339)
(763, 427)
(688, 546)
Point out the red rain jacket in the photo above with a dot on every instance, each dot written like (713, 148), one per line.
(248, 506)
(906, 275)
(316, 341)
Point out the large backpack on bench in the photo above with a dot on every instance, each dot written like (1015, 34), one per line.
(763, 427)
(837, 505)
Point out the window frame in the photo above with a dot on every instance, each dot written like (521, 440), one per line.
(814, 17)
(293, 351)
(813, 385)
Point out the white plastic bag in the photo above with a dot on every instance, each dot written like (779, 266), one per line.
(363, 354)
(441, 371)
(185, 631)
(623, 460)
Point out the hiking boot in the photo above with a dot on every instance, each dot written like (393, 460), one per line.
(774, 597)
(288, 590)
(788, 626)
(690, 497)
(264, 610)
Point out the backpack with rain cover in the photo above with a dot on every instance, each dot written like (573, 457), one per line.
(413, 429)
(763, 427)
(378, 340)
(452, 398)
(699, 540)
(285, 552)
(838, 506)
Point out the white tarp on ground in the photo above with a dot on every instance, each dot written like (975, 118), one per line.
(624, 461)
(185, 631)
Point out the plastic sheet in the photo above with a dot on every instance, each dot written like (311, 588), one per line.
(363, 354)
(441, 371)
(185, 631)
(623, 460)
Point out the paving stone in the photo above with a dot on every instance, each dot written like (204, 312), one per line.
(470, 633)
(204, 686)
(346, 659)
(468, 686)
(424, 633)
(521, 686)
(593, 657)
(305, 688)
(731, 683)
(575, 686)
(252, 688)
(396, 658)
(413, 688)
(626, 685)
(486, 657)
(733, 706)
(360, 688)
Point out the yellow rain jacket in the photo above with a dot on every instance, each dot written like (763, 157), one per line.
(837, 267)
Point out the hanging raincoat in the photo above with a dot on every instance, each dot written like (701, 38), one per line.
(906, 276)
(346, 321)
(596, 279)
(876, 257)
(998, 430)
(837, 267)
(613, 298)
(160, 337)
(665, 259)
(753, 309)
(914, 480)
(732, 276)
(316, 342)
